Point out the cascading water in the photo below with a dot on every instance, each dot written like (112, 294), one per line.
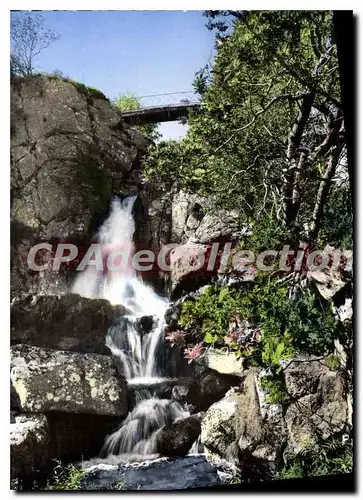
(136, 348)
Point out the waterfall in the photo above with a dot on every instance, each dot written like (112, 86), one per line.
(137, 340)
(136, 350)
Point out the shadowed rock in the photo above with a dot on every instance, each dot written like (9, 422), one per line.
(68, 322)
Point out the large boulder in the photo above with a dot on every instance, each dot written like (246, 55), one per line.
(67, 322)
(193, 223)
(70, 153)
(334, 282)
(188, 267)
(29, 450)
(48, 380)
(247, 430)
(203, 388)
(218, 427)
(238, 430)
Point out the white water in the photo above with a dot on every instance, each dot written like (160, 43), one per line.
(137, 351)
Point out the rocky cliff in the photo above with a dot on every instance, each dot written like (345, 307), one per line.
(70, 153)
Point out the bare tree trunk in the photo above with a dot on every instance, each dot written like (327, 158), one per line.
(324, 188)
(292, 174)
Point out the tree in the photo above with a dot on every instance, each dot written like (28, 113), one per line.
(130, 102)
(269, 135)
(29, 37)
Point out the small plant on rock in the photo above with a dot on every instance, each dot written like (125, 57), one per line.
(65, 478)
(176, 338)
(190, 353)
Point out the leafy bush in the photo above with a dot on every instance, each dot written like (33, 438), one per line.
(289, 324)
(211, 312)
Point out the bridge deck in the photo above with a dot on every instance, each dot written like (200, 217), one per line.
(155, 114)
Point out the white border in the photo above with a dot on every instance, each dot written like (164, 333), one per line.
(5, 152)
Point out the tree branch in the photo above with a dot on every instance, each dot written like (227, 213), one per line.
(259, 113)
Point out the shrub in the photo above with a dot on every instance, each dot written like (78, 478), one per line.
(330, 457)
(288, 323)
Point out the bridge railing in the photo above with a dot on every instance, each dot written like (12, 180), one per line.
(169, 99)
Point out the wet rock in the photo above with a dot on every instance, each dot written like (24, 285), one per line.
(180, 393)
(49, 380)
(156, 475)
(210, 388)
(67, 322)
(146, 323)
(29, 447)
(78, 436)
(176, 439)
(162, 389)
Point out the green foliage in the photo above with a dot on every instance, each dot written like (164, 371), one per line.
(120, 485)
(87, 91)
(274, 385)
(333, 362)
(276, 349)
(65, 478)
(329, 457)
(130, 102)
(211, 311)
(289, 324)
(267, 233)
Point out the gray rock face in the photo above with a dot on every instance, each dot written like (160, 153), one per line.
(183, 219)
(243, 427)
(302, 376)
(47, 380)
(161, 474)
(28, 446)
(67, 322)
(70, 153)
(218, 427)
(321, 409)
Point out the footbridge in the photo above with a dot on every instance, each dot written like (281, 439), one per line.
(162, 108)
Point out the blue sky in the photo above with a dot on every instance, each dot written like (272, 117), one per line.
(144, 52)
